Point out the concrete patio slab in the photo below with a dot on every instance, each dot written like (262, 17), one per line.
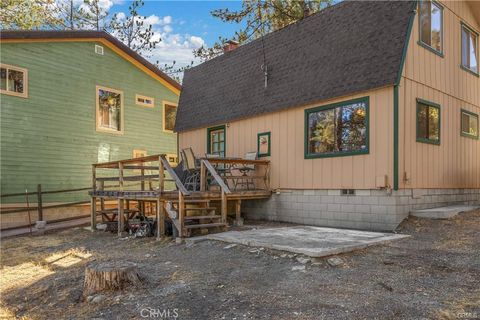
(442, 212)
(307, 240)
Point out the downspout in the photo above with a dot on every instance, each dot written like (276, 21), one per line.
(396, 101)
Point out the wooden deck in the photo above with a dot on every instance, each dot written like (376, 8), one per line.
(149, 185)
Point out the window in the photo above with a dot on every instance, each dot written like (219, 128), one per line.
(98, 49)
(169, 115)
(139, 153)
(469, 49)
(348, 192)
(13, 81)
(428, 122)
(109, 110)
(469, 125)
(340, 129)
(144, 101)
(431, 26)
(172, 159)
(216, 141)
(263, 144)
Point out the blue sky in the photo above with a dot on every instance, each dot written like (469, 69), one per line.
(182, 25)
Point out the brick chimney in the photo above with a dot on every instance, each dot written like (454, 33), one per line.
(230, 45)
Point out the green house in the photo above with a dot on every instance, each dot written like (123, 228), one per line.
(73, 98)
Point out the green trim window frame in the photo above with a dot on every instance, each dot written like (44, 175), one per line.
(263, 140)
(338, 129)
(428, 122)
(217, 140)
(469, 49)
(469, 124)
(430, 26)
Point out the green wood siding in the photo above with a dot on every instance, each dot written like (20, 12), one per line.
(50, 137)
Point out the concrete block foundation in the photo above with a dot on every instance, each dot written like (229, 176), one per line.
(378, 210)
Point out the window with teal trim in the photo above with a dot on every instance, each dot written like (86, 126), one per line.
(338, 129)
(428, 122)
(469, 49)
(469, 124)
(431, 25)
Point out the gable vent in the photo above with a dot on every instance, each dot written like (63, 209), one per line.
(99, 49)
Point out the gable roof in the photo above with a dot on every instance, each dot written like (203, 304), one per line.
(347, 48)
(89, 35)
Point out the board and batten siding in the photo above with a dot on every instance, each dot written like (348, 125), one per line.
(455, 163)
(50, 137)
(289, 168)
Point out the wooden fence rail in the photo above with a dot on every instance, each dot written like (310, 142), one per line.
(40, 206)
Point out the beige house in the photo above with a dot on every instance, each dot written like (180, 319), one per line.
(366, 110)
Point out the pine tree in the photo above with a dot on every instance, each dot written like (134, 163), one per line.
(260, 17)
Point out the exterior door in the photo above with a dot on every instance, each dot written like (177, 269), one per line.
(216, 140)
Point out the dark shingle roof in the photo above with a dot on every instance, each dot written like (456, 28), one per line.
(350, 47)
(85, 34)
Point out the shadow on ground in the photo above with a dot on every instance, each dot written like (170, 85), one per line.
(432, 274)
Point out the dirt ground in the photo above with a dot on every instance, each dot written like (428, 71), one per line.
(435, 274)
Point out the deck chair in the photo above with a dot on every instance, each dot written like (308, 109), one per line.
(192, 181)
(244, 179)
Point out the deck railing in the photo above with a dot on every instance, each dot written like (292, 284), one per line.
(219, 179)
(229, 173)
(148, 173)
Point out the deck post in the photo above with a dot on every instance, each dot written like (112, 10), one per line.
(120, 176)
(202, 176)
(93, 204)
(161, 174)
(238, 213)
(120, 216)
(93, 214)
(181, 214)
(102, 201)
(160, 219)
(224, 207)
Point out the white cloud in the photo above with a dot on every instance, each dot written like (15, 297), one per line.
(121, 16)
(167, 20)
(178, 48)
(153, 20)
(104, 5)
(167, 29)
(196, 41)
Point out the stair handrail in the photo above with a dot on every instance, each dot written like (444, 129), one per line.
(174, 176)
(216, 176)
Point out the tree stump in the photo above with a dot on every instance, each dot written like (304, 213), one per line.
(109, 275)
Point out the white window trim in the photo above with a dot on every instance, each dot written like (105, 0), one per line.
(138, 103)
(164, 102)
(97, 109)
(99, 49)
(25, 81)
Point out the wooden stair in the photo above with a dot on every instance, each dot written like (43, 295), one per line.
(206, 225)
(202, 216)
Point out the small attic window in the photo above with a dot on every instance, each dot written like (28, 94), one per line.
(98, 49)
(144, 101)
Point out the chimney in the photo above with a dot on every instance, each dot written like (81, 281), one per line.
(307, 11)
(230, 45)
